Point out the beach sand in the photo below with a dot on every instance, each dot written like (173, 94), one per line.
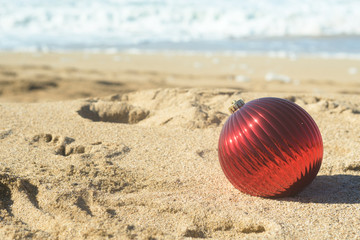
(124, 146)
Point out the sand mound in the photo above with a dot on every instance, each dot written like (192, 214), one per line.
(172, 107)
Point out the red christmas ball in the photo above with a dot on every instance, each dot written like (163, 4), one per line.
(270, 147)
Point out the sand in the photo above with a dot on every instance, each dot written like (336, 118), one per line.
(124, 146)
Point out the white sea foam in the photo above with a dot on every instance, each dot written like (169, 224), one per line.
(108, 23)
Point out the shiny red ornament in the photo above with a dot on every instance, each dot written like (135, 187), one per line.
(270, 147)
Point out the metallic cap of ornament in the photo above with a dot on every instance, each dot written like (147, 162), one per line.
(235, 105)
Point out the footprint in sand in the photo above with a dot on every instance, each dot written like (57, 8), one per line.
(117, 112)
(62, 144)
(69, 197)
(19, 198)
(65, 146)
(166, 107)
(24, 86)
(216, 226)
(318, 104)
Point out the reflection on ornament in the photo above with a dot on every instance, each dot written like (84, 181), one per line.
(270, 147)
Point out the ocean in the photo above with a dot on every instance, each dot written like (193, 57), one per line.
(307, 26)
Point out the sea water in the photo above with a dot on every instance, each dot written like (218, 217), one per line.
(307, 26)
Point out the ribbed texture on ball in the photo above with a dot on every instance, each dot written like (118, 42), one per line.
(270, 147)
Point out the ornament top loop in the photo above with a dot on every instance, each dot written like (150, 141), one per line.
(235, 105)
